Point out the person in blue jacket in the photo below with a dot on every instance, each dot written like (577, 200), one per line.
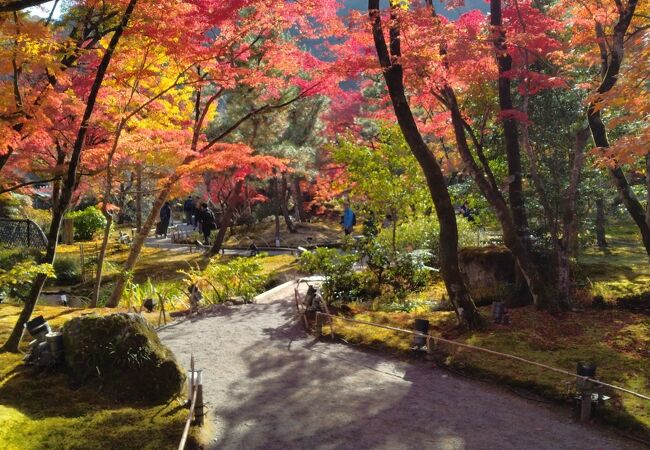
(349, 219)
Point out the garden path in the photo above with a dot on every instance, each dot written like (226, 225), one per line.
(268, 385)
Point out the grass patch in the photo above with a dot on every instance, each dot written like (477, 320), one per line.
(619, 270)
(39, 412)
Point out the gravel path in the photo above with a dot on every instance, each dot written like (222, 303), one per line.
(270, 386)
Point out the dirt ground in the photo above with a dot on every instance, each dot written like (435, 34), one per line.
(269, 385)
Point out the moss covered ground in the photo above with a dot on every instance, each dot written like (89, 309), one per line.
(41, 411)
(618, 341)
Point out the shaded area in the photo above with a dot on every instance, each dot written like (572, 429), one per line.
(268, 385)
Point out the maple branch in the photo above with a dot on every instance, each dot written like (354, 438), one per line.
(51, 15)
(254, 112)
(28, 183)
(478, 146)
(17, 5)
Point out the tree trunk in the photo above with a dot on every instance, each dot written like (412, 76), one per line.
(394, 233)
(16, 336)
(109, 217)
(647, 190)
(69, 183)
(493, 195)
(94, 299)
(138, 197)
(393, 75)
(513, 153)
(297, 196)
(611, 62)
(284, 204)
(601, 240)
(565, 245)
(226, 219)
(138, 243)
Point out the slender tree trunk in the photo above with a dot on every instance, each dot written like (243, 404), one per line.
(647, 190)
(601, 239)
(226, 219)
(108, 187)
(393, 75)
(138, 197)
(394, 233)
(284, 204)
(611, 61)
(513, 153)
(492, 194)
(297, 196)
(138, 243)
(564, 246)
(69, 183)
(94, 299)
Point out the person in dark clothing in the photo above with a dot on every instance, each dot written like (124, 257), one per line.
(196, 212)
(165, 218)
(466, 212)
(188, 209)
(206, 220)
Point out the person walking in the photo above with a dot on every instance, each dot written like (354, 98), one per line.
(349, 219)
(165, 218)
(188, 209)
(207, 223)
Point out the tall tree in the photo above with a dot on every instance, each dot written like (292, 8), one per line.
(390, 62)
(70, 182)
(509, 123)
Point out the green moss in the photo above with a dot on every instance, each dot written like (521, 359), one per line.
(618, 341)
(124, 353)
(43, 412)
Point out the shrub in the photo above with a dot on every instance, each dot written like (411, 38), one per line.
(423, 233)
(87, 222)
(342, 284)
(17, 268)
(67, 271)
(221, 281)
(408, 272)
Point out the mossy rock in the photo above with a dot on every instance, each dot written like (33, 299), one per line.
(491, 275)
(123, 354)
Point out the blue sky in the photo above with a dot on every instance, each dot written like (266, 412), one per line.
(44, 10)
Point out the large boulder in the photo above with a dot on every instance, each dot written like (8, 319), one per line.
(124, 354)
(491, 274)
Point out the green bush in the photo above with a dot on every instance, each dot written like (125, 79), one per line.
(87, 222)
(11, 258)
(423, 233)
(341, 284)
(222, 281)
(67, 271)
(408, 272)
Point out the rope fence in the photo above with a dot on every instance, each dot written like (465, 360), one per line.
(436, 339)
